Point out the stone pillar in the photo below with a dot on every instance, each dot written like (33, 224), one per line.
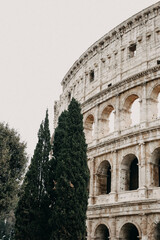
(113, 230)
(142, 165)
(85, 82)
(92, 181)
(114, 172)
(117, 114)
(89, 230)
(101, 61)
(124, 178)
(143, 107)
(96, 122)
(144, 228)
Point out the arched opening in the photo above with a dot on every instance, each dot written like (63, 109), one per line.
(111, 122)
(154, 104)
(104, 178)
(131, 111)
(155, 167)
(107, 121)
(129, 173)
(135, 112)
(157, 232)
(129, 232)
(133, 183)
(89, 128)
(102, 233)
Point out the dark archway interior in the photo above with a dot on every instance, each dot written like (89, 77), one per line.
(155, 167)
(129, 232)
(104, 178)
(102, 232)
(133, 183)
(109, 180)
(157, 232)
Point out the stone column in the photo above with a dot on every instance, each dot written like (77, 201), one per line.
(92, 181)
(96, 122)
(144, 228)
(117, 114)
(85, 82)
(89, 230)
(114, 172)
(142, 165)
(143, 107)
(113, 230)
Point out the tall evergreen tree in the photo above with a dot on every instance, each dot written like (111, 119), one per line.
(33, 207)
(71, 176)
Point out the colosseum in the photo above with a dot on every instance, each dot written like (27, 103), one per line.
(117, 82)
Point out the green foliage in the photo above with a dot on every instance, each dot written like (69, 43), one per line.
(70, 177)
(12, 164)
(13, 161)
(33, 208)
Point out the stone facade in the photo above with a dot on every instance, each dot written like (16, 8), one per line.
(119, 70)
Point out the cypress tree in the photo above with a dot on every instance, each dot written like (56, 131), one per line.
(71, 176)
(33, 207)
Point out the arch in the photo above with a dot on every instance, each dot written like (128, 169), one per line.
(89, 128)
(154, 102)
(129, 232)
(131, 111)
(104, 178)
(129, 173)
(157, 231)
(155, 167)
(107, 121)
(154, 230)
(135, 112)
(102, 232)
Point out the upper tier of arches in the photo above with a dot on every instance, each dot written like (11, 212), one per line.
(133, 108)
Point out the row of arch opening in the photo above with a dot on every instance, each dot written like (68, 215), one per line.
(129, 231)
(130, 115)
(129, 173)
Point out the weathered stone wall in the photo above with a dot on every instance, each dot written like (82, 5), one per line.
(120, 69)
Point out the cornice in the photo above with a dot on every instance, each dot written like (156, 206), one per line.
(140, 18)
(121, 84)
(122, 204)
(121, 139)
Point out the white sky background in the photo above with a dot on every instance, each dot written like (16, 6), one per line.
(39, 41)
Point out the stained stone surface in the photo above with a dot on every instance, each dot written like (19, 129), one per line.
(119, 70)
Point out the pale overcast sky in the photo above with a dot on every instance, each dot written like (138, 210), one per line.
(39, 41)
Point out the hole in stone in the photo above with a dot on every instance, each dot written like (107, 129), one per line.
(91, 76)
(132, 50)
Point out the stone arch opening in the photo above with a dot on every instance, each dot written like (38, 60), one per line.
(155, 167)
(102, 233)
(89, 128)
(129, 173)
(104, 178)
(154, 109)
(131, 111)
(157, 231)
(135, 112)
(129, 232)
(107, 121)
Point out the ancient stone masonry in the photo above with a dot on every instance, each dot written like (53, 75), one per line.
(117, 82)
